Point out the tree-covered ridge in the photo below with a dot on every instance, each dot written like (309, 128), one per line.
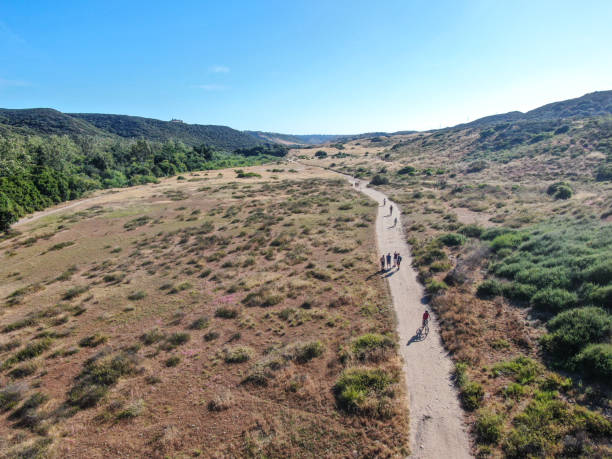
(125, 126)
(38, 171)
(46, 121)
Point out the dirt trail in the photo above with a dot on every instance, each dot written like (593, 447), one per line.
(437, 429)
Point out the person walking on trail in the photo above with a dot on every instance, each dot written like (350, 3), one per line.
(395, 254)
(384, 201)
(399, 261)
(425, 318)
(382, 263)
(395, 222)
(389, 260)
(391, 209)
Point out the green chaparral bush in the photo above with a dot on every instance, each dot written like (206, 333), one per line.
(561, 267)
(572, 330)
(452, 239)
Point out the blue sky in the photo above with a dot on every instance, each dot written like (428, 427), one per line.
(303, 66)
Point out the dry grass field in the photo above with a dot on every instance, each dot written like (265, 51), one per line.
(514, 309)
(219, 314)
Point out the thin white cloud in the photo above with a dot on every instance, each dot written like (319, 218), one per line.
(219, 69)
(4, 83)
(211, 87)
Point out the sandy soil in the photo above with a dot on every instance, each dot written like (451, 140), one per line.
(437, 429)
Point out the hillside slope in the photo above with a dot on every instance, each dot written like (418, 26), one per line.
(151, 129)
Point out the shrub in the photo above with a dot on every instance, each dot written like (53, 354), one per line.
(211, 335)
(178, 339)
(73, 293)
(489, 289)
(604, 172)
(471, 394)
(596, 361)
(152, 337)
(305, 352)
(199, 323)
(518, 291)
(602, 296)
(488, 426)
(471, 230)
(139, 295)
(407, 170)
(93, 340)
(23, 370)
(560, 190)
(452, 239)
(379, 179)
(10, 396)
(372, 346)
(172, 361)
(321, 154)
(600, 273)
(226, 313)
(522, 369)
(237, 354)
(554, 299)
(574, 329)
(364, 391)
(97, 377)
(476, 166)
(434, 286)
(507, 241)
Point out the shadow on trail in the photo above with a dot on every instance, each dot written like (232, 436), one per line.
(384, 273)
(390, 273)
(420, 335)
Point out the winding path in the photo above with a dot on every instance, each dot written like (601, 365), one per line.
(437, 429)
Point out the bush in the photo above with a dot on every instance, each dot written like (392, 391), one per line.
(488, 426)
(407, 170)
(379, 179)
(152, 337)
(304, 352)
(226, 313)
(602, 296)
(554, 299)
(199, 324)
(472, 395)
(93, 340)
(237, 354)
(452, 239)
(372, 346)
(604, 172)
(572, 330)
(172, 361)
(522, 369)
(507, 241)
(560, 190)
(364, 391)
(434, 286)
(321, 154)
(596, 361)
(471, 230)
(518, 291)
(489, 288)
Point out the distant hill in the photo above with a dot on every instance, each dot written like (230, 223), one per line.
(597, 103)
(152, 129)
(291, 139)
(47, 121)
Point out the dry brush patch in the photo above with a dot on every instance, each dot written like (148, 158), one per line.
(187, 311)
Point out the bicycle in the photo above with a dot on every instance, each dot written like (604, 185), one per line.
(424, 329)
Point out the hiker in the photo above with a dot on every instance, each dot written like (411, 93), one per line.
(389, 259)
(382, 263)
(399, 260)
(425, 318)
(395, 222)
(395, 254)
(391, 209)
(384, 201)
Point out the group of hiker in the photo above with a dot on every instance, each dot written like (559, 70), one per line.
(386, 263)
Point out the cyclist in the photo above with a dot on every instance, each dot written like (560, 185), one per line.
(425, 318)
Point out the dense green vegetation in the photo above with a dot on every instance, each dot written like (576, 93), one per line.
(563, 269)
(38, 171)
